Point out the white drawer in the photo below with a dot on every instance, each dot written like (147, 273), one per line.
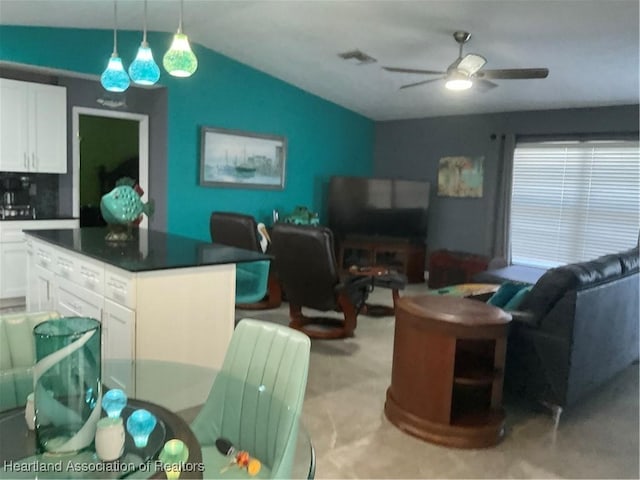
(120, 287)
(72, 300)
(65, 265)
(90, 275)
(43, 255)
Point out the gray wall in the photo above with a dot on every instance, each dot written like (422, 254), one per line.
(151, 102)
(411, 149)
(84, 93)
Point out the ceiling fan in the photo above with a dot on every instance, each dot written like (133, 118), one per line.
(467, 71)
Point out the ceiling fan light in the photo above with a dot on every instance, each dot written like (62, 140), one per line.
(458, 84)
(114, 78)
(179, 60)
(144, 70)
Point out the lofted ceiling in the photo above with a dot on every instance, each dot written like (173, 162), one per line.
(591, 47)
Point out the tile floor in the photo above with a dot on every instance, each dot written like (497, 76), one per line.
(343, 412)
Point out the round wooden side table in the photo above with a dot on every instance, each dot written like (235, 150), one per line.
(448, 370)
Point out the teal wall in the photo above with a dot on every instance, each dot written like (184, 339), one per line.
(323, 138)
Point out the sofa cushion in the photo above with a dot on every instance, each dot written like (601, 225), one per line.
(505, 293)
(518, 298)
(630, 261)
(598, 270)
(556, 282)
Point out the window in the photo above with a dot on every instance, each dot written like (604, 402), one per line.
(574, 201)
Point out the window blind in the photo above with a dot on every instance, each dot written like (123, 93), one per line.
(574, 201)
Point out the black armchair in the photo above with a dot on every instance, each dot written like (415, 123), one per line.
(306, 264)
(241, 231)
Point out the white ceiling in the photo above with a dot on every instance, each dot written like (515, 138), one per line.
(591, 47)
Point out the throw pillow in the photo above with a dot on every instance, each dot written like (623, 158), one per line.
(517, 299)
(506, 291)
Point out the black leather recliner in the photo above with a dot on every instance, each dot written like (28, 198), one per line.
(575, 330)
(306, 264)
(241, 231)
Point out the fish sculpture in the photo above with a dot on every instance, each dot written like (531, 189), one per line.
(122, 205)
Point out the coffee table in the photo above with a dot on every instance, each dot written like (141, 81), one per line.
(170, 391)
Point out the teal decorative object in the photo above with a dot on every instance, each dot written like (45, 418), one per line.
(302, 216)
(140, 424)
(122, 208)
(68, 389)
(113, 402)
(174, 454)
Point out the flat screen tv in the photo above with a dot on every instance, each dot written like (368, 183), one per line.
(378, 207)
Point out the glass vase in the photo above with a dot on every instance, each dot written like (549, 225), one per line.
(67, 388)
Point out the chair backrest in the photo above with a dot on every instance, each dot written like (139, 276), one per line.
(235, 230)
(256, 399)
(17, 345)
(306, 264)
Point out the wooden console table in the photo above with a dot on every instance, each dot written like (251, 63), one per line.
(406, 257)
(449, 268)
(448, 370)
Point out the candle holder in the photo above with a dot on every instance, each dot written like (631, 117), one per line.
(113, 402)
(109, 439)
(140, 424)
(173, 455)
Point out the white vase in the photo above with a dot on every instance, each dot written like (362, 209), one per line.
(109, 439)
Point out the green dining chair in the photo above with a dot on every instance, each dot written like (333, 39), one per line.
(256, 400)
(251, 281)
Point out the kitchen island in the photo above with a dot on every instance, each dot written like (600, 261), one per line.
(159, 296)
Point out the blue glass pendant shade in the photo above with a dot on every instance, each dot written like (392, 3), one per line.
(144, 70)
(113, 402)
(114, 78)
(140, 424)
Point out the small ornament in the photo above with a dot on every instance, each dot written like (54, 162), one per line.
(243, 460)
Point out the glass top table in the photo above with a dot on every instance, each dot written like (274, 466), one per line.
(173, 392)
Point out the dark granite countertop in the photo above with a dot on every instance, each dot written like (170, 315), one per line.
(37, 219)
(148, 250)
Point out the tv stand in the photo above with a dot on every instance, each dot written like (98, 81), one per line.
(401, 254)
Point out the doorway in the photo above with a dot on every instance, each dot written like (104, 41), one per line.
(107, 146)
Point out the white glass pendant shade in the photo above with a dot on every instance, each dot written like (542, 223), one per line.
(114, 78)
(179, 60)
(458, 81)
(459, 84)
(144, 70)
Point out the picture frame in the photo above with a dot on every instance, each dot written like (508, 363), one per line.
(240, 159)
(461, 176)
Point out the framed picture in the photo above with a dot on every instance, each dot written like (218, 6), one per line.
(232, 158)
(460, 176)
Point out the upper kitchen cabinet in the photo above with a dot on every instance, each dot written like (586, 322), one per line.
(33, 127)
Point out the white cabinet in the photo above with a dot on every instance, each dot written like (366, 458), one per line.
(13, 277)
(118, 340)
(40, 293)
(33, 127)
(13, 258)
(74, 301)
(181, 315)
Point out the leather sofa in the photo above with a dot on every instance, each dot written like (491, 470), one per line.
(17, 355)
(575, 330)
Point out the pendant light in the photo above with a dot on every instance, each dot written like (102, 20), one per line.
(144, 70)
(179, 60)
(114, 78)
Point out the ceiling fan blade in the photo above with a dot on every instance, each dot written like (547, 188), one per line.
(514, 73)
(483, 85)
(412, 70)
(420, 83)
(471, 63)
